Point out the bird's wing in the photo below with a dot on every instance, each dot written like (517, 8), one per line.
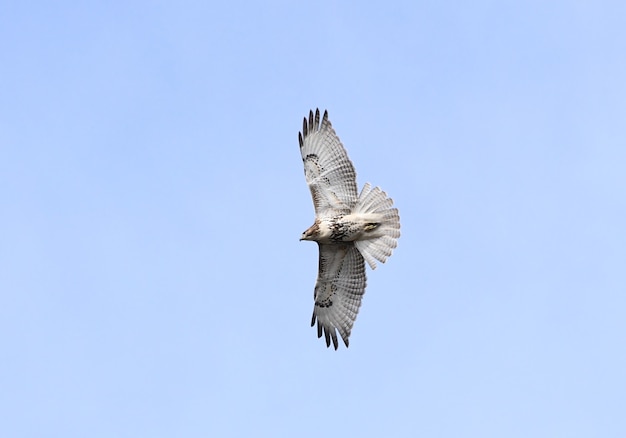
(327, 168)
(338, 292)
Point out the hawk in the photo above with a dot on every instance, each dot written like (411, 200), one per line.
(349, 228)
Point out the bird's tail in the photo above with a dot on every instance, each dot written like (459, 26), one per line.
(383, 222)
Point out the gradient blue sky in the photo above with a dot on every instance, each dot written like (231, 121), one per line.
(151, 278)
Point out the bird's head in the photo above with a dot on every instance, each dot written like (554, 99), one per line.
(311, 233)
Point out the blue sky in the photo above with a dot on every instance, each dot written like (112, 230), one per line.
(151, 278)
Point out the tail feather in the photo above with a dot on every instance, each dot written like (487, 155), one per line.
(384, 238)
(370, 200)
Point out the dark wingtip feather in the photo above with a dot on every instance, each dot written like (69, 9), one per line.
(311, 125)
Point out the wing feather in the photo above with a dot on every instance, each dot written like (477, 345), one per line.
(339, 290)
(328, 170)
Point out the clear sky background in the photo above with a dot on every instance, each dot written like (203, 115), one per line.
(152, 196)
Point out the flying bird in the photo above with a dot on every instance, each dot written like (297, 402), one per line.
(349, 228)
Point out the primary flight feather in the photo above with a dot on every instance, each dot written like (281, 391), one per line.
(349, 228)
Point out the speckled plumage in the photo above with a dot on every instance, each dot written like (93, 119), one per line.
(349, 228)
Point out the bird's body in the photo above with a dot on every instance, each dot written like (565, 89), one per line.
(349, 228)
